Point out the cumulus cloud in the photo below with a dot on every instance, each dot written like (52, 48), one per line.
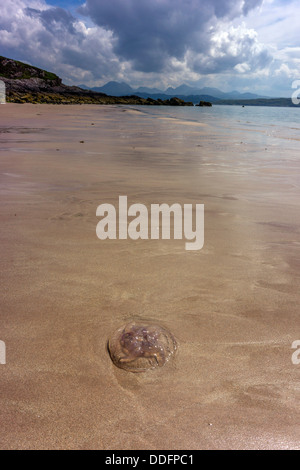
(154, 42)
(150, 33)
(242, 68)
(285, 71)
(51, 37)
(232, 48)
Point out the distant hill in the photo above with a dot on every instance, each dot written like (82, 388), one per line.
(121, 89)
(115, 89)
(194, 95)
(187, 90)
(230, 95)
(211, 91)
(195, 99)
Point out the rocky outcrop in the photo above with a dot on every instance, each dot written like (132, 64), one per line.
(33, 85)
(178, 102)
(14, 69)
(168, 102)
(27, 84)
(204, 103)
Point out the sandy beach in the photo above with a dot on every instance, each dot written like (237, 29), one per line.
(233, 306)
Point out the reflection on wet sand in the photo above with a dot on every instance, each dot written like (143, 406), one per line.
(232, 306)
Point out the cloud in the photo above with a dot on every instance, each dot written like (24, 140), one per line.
(52, 38)
(242, 68)
(232, 48)
(55, 20)
(151, 33)
(157, 42)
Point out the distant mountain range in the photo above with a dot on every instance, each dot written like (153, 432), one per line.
(123, 89)
(25, 83)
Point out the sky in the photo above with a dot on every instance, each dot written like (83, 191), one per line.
(245, 45)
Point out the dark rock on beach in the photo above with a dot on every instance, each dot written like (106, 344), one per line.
(204, 103)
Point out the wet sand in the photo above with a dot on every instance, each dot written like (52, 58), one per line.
(232, 306)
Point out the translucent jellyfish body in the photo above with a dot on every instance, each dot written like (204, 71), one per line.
(139, 346)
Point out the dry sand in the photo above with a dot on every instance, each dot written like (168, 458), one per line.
(233, 306)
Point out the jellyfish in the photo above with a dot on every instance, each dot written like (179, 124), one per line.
(137, 347)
